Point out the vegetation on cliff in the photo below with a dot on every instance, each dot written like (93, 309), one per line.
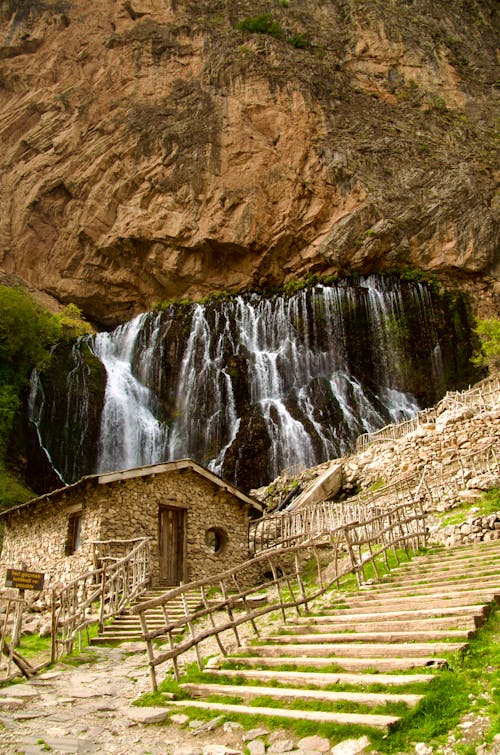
(489, 333)
(28, 334)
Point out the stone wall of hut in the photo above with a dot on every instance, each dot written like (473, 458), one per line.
(37, 535)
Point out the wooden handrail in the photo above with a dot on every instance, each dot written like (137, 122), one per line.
(351, 548)
(484, 396)
(289, 527)
(98, 595)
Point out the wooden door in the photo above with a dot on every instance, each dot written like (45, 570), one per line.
(171, 545)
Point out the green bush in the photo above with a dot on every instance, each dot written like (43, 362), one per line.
(72, 323)
(489, 333)
(9, 404)
(12, 490)
(263, 24)
(299, 41)
(27, 336)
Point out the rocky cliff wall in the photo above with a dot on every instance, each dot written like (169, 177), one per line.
(151, 150)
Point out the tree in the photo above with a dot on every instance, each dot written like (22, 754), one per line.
(27, 334)
(489, 333)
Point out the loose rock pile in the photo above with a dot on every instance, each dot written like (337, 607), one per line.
(475, 529)
(447, 439)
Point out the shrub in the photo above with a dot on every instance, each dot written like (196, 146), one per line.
(26, 333)
(263, 24)
(299, 41)
(489, 333)
(72, 322)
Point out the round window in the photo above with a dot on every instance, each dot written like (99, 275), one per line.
(215, 539)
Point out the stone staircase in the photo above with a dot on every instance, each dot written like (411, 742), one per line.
(390, 634)
(127, 626)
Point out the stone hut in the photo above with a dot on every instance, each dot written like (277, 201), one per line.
(197, 523)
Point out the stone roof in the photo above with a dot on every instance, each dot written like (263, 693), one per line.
(152, 469)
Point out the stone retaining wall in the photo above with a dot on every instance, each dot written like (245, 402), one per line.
(475, 529)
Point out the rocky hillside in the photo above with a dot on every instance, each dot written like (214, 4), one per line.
(445, 440)
(156, 150)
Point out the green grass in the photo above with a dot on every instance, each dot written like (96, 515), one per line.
(489, 503)
(13, 490)
(32, 645)
(474, 672)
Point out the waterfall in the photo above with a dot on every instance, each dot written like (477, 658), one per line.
(250, 385)
(36, 406)
(132, 434)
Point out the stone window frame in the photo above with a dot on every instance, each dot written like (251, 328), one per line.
(217, 546)
(74, 536)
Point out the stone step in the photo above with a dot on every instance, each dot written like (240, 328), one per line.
(359, 649)
(107, 639)
(383, 625)
(355, 719)
(158, 612)
(441, 563)
(372, 594)
(433, 600)
(349, 637)
(346, 614)
(439, 578)
(125, 621)
(346, 664)
(294, 693)
(439, 552)
(414, 588)
(475, 612)
(321, 679)
(113, 633)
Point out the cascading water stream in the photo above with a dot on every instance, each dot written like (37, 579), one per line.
(131, 432)
(249, 386)
(36, 406)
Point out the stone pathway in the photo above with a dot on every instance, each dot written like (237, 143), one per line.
(87, 708)
(73, 710)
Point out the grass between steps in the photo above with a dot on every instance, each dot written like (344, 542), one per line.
(199, 677)
(470, 684)
(331, 668)
(340, 706)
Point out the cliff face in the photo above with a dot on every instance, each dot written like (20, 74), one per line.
(151, 150)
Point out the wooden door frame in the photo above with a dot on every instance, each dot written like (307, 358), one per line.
(171, 507)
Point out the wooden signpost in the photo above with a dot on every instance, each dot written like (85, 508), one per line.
(22, 580)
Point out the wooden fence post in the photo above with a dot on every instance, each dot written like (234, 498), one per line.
(101, 607)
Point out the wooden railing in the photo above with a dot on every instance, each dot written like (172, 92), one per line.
(483, 397)
(12, 610)
(234, 597)
(394, 432)
(287, 528)
(443, 481)
(437, 482)
(99, 594)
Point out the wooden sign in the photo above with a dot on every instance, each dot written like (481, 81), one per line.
(24, 580)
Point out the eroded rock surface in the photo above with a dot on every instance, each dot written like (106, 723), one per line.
(153, 151)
